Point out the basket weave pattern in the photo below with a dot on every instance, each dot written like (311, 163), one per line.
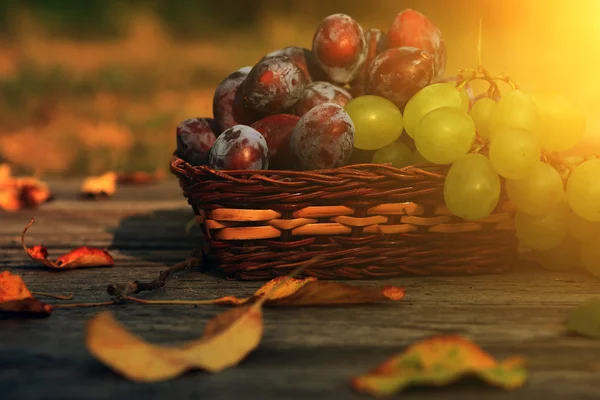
(369, 221)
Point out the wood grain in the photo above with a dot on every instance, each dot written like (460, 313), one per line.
(307, 352)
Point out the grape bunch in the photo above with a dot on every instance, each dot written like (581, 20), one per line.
(368, 95)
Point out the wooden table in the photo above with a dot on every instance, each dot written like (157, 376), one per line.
(306, 353)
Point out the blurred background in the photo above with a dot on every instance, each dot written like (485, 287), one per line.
(88, 86)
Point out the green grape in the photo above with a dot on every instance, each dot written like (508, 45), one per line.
(377, 121)
(444, 135)
(590, 256)
(481, 113)
(564, 257)
(581, 229)
(583, 190)
(472, 187)
(543, 232)
(428, 99)
(563, 122)
(540, 191)
(514, 153)
(515, 110)
(396, 153)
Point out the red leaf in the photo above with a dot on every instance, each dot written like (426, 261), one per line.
(18, 193)
(81, 257)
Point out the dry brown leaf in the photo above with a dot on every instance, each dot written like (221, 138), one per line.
(16, 299)
(81, 257)
(227, 339)
(140, 177)
(99, 186)
(23, 192)
(284, 291)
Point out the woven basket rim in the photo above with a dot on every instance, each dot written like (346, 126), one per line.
(180, 167)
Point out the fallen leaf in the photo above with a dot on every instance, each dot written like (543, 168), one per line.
(227, 339)
(585, 319)
(311, 291)
(99, 186)
(140, 177)
(81, 257)
(439, 361)
(16, 299)
(23, 192)
(285, 291)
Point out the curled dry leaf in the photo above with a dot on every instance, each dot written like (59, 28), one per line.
(81, 257)
(439, 361)
(19, 193)
(16, 299)
(283, 291)
(140, 177)
(99, 186)
(227, 339)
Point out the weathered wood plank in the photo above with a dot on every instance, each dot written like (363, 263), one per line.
(307, 352)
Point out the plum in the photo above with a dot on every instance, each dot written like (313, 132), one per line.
(376, 43)
(273, 85)
(228, 105)
(304, 59)
(323, 138)
(321, 92)
(195, 137)
(277, 129)
(340, 47)
(239, 148)
(398, 73)
(413, 29)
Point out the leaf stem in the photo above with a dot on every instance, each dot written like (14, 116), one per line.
(77, 305)
(53, 296)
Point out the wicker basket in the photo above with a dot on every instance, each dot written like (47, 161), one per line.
(368, 220)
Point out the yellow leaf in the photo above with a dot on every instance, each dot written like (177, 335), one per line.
(439, 361)
(227, 339)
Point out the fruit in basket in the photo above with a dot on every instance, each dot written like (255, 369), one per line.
(228, 105)
(583, 230)
(543, 232)
(444, 135)
(377, 122)
(413, 29)
(273, 85)
(583, 190)
(428, 99)
(515, 110)
(240, 147)
(376, 43)
(195, 137)
(396, 153)
(277, 130)
(562, 120)
(514, 153)
(323, 138)
(304, 59)
(472, 187)
(321, 92)
(539, 192)
(340, 47)
(398, 73)
(481, 113)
